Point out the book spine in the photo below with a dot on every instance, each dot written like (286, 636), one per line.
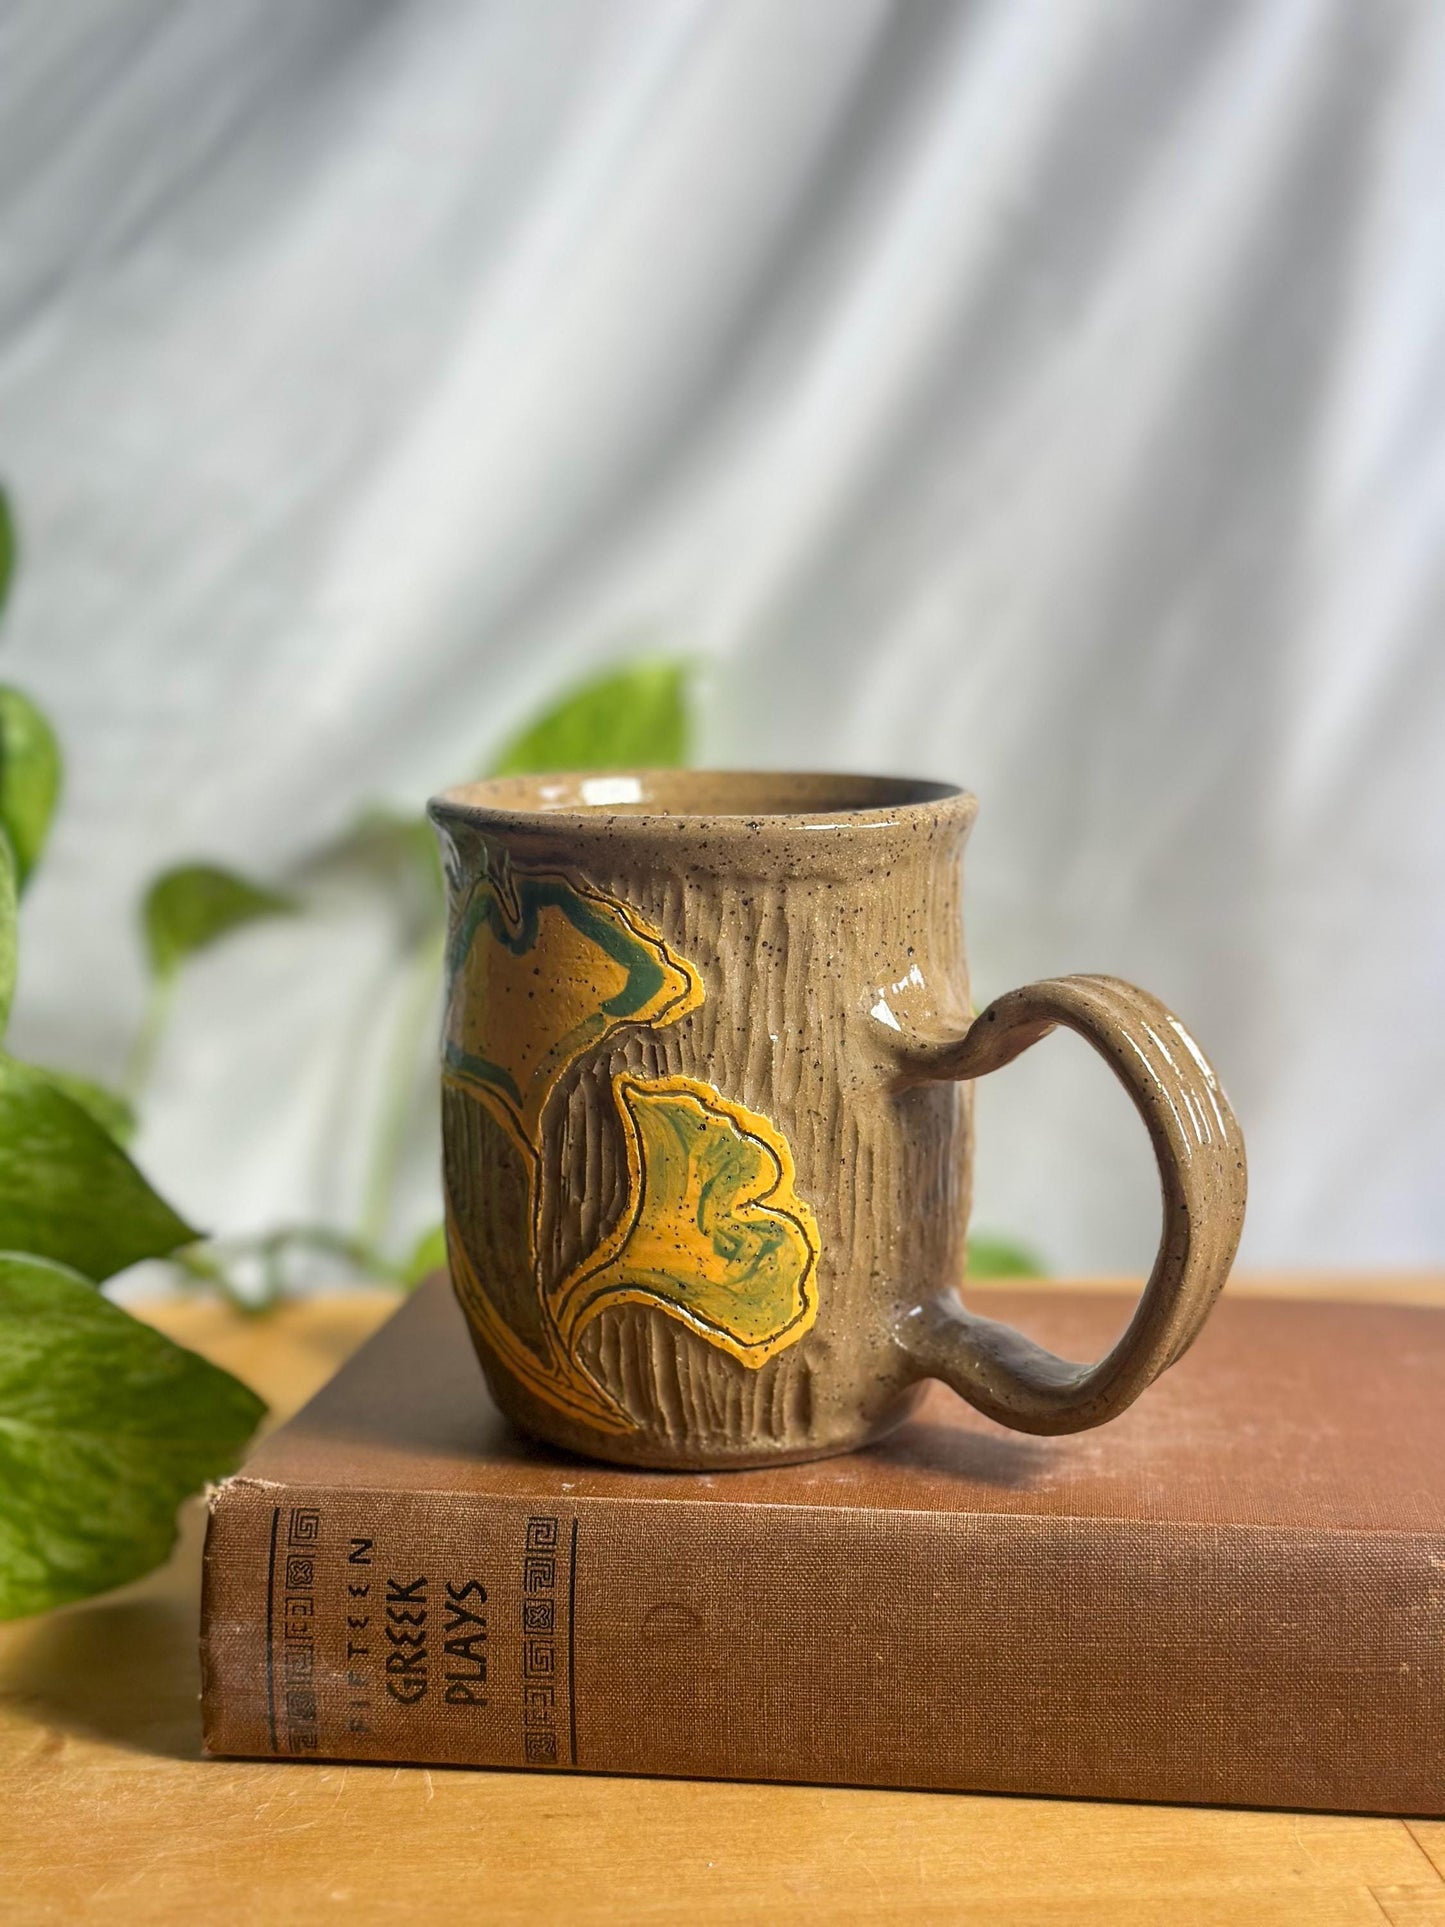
(1114, 1659)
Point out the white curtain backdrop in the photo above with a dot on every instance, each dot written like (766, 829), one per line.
(1046, 396)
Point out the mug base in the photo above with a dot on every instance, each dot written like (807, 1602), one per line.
(644, 1451)
(650, 1455)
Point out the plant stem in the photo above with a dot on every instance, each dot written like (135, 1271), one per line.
(212, 1266)
(201, 1269)
(147, 1040)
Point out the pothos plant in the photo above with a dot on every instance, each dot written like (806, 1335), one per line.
(106, 1425)
(636, 715)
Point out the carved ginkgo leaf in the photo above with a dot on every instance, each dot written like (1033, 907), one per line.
(542, 970)
(556, 1379)
(714, 1233)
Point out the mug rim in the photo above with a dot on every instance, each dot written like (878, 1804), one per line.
(617, 801)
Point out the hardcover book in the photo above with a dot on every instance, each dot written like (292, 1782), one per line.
(1235, 1593)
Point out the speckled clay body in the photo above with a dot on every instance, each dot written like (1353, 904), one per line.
(707, 1120)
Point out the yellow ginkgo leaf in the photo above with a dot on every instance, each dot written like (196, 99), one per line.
(714, 1233)
(542, 969)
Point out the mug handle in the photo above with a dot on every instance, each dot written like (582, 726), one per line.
(1200, 1154)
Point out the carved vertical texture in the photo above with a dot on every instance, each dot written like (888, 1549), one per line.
(794, 968)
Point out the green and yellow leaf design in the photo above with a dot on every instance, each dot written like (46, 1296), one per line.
(542, 970)
(715, 1234)
(557, 1379)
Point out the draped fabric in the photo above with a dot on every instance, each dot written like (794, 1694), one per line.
(1043, 396)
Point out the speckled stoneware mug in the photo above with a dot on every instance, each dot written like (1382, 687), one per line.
(707, 1119)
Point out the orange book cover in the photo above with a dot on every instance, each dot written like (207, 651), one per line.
(1235, 1593)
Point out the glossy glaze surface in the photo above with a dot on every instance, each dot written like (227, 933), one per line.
(706, 1074)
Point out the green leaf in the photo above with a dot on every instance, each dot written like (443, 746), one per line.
(1003, 1258)
(635, 717)
(186, 909)
(29, 778)
(105, 1426)
(398, 853)
(390, 840)
(67, 1190)
(8, 547)
(428, 1254)
(9, 935)
(111, 1111)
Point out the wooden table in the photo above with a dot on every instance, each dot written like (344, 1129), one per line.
(108, 1813)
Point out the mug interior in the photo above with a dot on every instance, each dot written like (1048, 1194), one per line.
(746, 795)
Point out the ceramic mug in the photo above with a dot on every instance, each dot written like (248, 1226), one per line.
(707, 1124)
